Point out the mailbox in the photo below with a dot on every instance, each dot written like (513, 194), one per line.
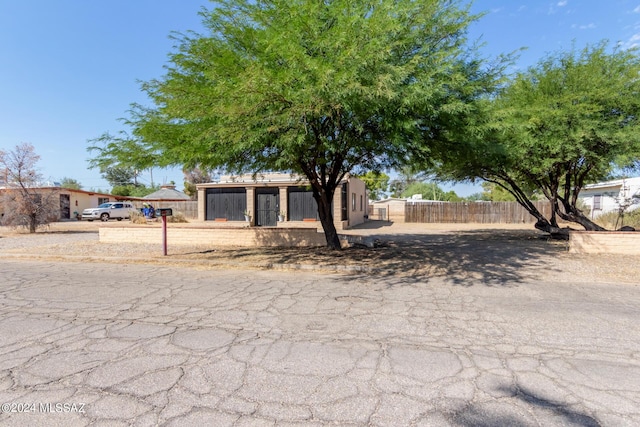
(164, 212)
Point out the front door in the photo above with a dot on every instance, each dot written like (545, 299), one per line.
(267, 207)
(65, 206)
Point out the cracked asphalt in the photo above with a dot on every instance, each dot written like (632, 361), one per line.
(152, 344)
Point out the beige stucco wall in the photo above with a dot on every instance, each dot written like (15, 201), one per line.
(218, 236)
(604, 242)
(81, 201)
(358, 189)
(355, 187)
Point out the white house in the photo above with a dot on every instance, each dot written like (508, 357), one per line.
(611, 196)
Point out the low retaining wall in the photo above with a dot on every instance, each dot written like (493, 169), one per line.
(604, 242)
(210, 236)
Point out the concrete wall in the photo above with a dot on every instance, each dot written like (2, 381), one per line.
(604, 242)
(218, 236)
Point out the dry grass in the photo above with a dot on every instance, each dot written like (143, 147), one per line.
(613, 221)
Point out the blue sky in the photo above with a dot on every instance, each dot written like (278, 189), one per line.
(70, 68)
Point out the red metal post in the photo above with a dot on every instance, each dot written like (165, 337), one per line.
(164, 234)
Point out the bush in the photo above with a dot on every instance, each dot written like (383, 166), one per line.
(139, 218)
(177, 217)
(136, 217)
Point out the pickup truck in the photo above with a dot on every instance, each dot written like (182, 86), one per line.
(106, 211)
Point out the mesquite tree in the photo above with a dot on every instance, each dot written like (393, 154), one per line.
(556, 127)
(318, 88)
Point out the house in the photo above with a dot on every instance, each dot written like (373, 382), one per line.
(391, 209)
(611, 196)
(167, 193)
(169, 197)
(269, 196)
(71, 200)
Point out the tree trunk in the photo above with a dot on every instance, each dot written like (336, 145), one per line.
(326, 219)
(579, 218)
(33, 223)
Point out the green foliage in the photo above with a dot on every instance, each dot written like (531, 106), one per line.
(377, 184)
(430, 191)
(554, 128)
(477, 197)
(119, 176)
(318, 88)
(192, 177)
(70, 183)
(133, 190)
(494, 193)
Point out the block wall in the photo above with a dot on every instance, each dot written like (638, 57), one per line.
(223, 236)
(604, 242)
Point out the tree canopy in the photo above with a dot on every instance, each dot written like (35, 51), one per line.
(377, 184)
(430, 191)
(554, 128)
(322, 89)
(67, 182)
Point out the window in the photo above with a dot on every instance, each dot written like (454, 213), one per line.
(102, 200)
(361, 202)
(344, 208)
(353, 202)
(597, 202)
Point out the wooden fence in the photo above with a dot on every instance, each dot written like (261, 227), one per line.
(473, 212)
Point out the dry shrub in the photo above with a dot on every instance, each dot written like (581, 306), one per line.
(137, 217)
(612, 220)
(177, 217)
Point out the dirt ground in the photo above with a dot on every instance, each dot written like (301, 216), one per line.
(497, 254)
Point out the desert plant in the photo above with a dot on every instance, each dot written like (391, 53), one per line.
(137, 217)
(611, 220)
(177, 217)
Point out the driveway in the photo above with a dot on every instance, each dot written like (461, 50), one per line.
(91, 343)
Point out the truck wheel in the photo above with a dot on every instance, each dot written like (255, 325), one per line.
(119, 219)
(104, 217)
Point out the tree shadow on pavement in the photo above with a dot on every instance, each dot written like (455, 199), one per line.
(549, 412)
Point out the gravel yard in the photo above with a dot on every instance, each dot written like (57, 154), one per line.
(493, 254)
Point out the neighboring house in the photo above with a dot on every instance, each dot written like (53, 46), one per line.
(169, 197)
(167, 193)
(610, 196)
(271, 195)
(391, 209)
(71, 200)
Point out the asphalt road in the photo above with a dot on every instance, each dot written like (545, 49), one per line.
(108, 344)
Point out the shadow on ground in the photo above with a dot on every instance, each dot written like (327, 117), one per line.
(489, 257)
(479, 415)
